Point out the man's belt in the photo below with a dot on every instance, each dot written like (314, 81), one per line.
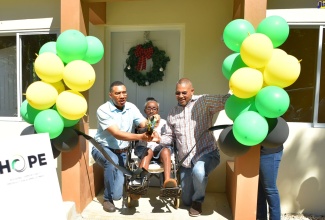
(119, 151)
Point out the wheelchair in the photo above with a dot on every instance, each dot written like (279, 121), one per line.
(139, 183)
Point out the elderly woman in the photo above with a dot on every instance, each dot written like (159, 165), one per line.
(147, 151)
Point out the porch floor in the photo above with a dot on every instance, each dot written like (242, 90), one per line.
(151, 206)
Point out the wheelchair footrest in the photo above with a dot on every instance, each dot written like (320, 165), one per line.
(139, 190)
(170, 192)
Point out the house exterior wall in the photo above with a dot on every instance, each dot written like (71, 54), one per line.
(16, 10)
(301, 178)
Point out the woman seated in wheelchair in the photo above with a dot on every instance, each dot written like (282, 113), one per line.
(147, 151)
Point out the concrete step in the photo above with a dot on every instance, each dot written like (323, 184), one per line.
(70, 210)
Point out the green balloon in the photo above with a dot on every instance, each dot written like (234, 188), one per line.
(229, 145)
(250, 128)
(272, 101)
(71, 45)
(28, 113)
(232, 63)
(236, 32)
(48, 47)
(235, 106)
(276, 28)
(95, 50)
(68, 122)
(49, 121)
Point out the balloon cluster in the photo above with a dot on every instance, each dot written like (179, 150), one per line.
(55, 103)
(257, 72)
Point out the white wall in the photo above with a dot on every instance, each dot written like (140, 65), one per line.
(31, 9)
(301, 179)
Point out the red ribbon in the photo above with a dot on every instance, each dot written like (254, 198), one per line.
(143, 54)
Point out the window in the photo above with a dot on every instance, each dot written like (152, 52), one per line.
(18, 52)
(8, 76)
(307, 94)
(320, 97)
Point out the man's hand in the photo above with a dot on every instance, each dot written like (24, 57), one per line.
(146, 137)
(153, 137)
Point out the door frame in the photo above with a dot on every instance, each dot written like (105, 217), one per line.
(136, 28)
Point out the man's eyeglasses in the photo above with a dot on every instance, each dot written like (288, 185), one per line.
(152, 109)
(179, 93)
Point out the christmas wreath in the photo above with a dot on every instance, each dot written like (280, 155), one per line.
(136, 64)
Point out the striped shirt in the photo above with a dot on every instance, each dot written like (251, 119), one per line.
(187, 124)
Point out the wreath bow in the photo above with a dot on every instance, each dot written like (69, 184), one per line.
(143, 54)
(137, 62)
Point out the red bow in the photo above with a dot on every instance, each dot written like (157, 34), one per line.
(143, 54)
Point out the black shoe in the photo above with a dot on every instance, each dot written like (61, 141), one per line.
(196, 209)
(108, 206)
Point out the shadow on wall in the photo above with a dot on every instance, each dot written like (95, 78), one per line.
(301, 180)
(309, 193)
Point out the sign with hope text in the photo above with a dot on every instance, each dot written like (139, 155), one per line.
(29, 186)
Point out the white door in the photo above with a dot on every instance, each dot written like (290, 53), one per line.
(162, 91)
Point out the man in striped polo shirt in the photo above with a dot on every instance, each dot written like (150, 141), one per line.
(187, 126)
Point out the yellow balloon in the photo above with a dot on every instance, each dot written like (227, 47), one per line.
(282, 71)
(256, 50)
(264, 84)
(59, 86)
(278, 52)
(49, 67)
(71, 105)
(246, 82)
(41, 95)
(79, 75)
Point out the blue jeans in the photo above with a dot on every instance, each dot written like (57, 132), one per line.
(267, 189)
(195, 179)
(113, 177)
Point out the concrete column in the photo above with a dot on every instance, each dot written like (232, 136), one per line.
(79, 181)
(242, 173)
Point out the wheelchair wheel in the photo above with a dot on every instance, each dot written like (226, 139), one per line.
(176, 202)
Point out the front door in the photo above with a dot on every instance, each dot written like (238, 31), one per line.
(162, 91)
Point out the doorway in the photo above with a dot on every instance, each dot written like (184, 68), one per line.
(168, 39)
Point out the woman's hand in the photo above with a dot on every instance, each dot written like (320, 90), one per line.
(155, 137)
(157, 117)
